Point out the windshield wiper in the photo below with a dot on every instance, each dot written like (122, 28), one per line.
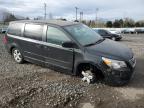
(99, 41)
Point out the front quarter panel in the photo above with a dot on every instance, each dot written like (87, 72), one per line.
(84, 57)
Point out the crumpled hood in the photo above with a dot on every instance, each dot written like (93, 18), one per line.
(111, 49)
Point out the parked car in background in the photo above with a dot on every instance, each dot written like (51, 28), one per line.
(107, 34)
(115, 32)
(70, 47)
(139, 30)
(128, 30)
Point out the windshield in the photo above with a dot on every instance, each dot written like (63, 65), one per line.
(83, 34)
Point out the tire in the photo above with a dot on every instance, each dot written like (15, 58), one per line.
(17, 55)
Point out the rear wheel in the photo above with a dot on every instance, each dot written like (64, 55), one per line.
(17, 55)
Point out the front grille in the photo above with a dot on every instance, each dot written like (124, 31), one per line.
(132, 62)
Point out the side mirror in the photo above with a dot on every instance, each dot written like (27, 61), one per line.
(69, 44)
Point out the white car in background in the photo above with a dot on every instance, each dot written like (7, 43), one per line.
(128, 30)
(115, 32)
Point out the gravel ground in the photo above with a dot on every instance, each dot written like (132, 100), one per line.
(32, 86)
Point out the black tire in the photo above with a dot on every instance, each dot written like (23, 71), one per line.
(17, 55)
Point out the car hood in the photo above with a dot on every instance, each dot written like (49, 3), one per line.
(111, 49)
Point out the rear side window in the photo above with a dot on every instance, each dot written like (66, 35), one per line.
(56, 36)
(15, 29)
(33, 31)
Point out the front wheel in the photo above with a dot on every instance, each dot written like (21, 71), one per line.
(17, 55)
(88, 75)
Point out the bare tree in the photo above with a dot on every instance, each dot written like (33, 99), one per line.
(8, 17)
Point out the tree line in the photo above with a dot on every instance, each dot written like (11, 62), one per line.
(11, 17)
(118, 23)
(127, 22)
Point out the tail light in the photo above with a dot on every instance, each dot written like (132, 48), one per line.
(5, 40)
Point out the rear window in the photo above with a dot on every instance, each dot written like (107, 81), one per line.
(15, 29)
(33, 31)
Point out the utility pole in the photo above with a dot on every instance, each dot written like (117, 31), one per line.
(76, 12)
(81, 16)
(45, 11)
(96, 20)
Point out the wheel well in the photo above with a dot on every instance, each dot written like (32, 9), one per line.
(83, 66)
(11, 49)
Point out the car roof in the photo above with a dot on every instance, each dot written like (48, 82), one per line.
(53, 22)
(100, 29)
(95, 29)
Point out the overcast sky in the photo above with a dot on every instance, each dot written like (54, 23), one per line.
(108, 9)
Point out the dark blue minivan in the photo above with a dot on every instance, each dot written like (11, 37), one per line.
(72, 48)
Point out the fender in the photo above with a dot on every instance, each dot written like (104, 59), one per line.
(13, 45)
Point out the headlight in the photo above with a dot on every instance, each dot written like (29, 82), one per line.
(115, 64)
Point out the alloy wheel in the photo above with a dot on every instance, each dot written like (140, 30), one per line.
(88, 76)
(17, 55)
